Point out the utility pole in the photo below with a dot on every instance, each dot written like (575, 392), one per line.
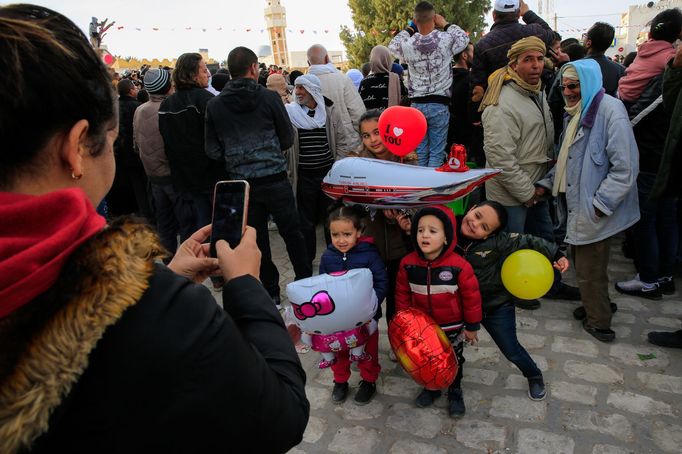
(555, 22)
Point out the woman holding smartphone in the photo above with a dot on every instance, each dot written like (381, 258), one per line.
(102, 347)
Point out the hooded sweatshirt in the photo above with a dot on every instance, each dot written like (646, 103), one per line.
(652, 56)
(445, 288)
(247, 128)
(363, 255)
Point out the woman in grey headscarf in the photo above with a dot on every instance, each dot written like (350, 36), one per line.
(382, 88)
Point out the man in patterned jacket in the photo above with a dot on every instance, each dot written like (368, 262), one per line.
(428, 52)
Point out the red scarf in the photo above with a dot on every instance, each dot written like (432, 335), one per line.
(37, 236)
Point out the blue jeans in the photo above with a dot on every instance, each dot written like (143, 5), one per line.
(655, 235)
(276, 198)
(168, 211)
(431, 150)
(501, 325)
(534, 221)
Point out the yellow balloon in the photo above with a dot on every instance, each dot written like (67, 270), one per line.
(527, 274)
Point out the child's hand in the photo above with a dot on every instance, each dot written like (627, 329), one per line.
(471, 337)
(561, 264)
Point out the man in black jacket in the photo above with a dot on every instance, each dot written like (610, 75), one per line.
(248, 128)
(598, 38)
(490, 53)
(181, 123)
(129, 192)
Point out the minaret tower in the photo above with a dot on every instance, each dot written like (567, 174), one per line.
(276, 21)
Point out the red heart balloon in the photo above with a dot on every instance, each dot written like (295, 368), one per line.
(402, 129)
(422, 349)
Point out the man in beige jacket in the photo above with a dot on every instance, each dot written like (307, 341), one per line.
(519, 139)
(340, 89)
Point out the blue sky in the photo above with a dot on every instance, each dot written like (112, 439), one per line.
(313, 17)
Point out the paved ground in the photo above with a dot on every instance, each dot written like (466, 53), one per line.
(617, 398)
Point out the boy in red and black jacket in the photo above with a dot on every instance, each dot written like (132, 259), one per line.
(439, 282)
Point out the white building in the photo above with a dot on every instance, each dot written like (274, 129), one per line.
(635, 25)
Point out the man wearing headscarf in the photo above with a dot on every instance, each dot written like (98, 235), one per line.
(319, 140)
(595, 181)
(519, 139)
(382, 88)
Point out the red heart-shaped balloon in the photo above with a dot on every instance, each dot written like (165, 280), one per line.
(402, 129)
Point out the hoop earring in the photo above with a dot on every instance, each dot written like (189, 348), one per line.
(76, 177)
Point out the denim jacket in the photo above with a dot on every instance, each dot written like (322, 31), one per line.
(601, 172)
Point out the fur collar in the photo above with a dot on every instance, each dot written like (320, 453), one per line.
(102, 279)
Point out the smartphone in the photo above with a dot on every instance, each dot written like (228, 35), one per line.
(230, 208)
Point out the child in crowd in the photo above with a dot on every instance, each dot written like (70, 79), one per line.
(350, 250)
(389, 238)
(485, 245)
(442, 284)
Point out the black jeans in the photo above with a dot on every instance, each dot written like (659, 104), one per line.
(312, 208)
(276, 198)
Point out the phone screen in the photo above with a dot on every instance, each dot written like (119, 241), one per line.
(230, 205)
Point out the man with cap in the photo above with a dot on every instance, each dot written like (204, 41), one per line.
(519, 139)
(149, 145)
(318, 142)
(428, 45)
(490, 52)
(247, 128)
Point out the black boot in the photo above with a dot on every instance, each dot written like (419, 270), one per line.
(340, 392)
(663, 339)
(426, 398)
(365, 392)
(456, 407)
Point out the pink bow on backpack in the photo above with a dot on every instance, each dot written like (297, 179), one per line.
(320, 304)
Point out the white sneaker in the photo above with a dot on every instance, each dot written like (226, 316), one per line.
(636, 287)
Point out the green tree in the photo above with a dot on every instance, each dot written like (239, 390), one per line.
(376, 21)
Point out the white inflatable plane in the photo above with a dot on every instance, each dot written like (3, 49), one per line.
(383, 184)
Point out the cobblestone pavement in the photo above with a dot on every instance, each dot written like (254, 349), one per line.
(602, 398)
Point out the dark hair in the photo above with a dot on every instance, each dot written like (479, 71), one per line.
(423, 11)
(601, 34)
(500, 210)
(575, 51)
(629, 58)
(340, 212)
(365, 69)
(124, 87)
(219, 80)
(186, 69)
(143, 95)
(666, 26)
(293, 75)
(371, 114)
(39, 45)
(567, 42)
(509, 16)
(240, 60)
(459, 55)
(557, 37)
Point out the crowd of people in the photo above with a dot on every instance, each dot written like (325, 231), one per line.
(105, 326)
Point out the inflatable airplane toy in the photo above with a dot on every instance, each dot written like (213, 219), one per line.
(383, 184)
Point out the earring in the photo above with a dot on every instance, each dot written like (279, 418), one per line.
(76, 177)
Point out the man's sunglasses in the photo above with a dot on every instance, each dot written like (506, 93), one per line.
(571, 86)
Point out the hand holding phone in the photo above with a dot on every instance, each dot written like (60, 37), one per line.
(230, 208)
(244, 259)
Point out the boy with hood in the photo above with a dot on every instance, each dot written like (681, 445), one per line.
(247, 128)
(439, 282)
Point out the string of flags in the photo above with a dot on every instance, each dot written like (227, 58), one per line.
(219, 29)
